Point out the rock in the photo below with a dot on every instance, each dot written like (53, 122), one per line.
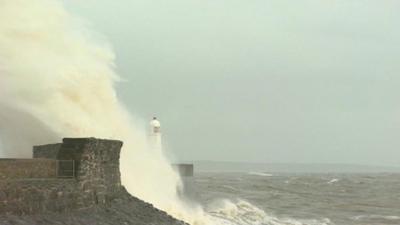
(76, 182)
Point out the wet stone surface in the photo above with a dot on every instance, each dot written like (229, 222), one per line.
(93, 195)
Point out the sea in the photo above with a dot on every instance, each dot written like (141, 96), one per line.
(262, 198)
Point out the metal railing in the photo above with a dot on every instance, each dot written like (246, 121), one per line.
(65, 168)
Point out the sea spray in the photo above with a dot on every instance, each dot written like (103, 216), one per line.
(56, 80)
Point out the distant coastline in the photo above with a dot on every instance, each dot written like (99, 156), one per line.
(222, 166)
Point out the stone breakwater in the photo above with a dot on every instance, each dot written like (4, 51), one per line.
(75, 182)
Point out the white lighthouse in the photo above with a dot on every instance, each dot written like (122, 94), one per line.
(185, 169)
(155, 134)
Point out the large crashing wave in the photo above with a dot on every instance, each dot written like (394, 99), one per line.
(56, 80)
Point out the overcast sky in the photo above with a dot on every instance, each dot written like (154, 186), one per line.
(309, 81)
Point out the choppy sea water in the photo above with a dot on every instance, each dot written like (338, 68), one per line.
(300, 199)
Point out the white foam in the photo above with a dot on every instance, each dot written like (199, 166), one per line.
(369, 217)
(333, 181)
(241, 212)
(261, 174)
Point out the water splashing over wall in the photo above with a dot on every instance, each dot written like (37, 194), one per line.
(56, 80)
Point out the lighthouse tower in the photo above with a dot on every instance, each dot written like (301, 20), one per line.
(155, 134)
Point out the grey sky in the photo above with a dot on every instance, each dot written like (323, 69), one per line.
(261, 80)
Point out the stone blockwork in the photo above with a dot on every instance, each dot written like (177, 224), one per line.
(49, 151)
(96, 179)
(32, 196)
(125, 210)
(93, 195)
(97, 164)
(27, 168)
